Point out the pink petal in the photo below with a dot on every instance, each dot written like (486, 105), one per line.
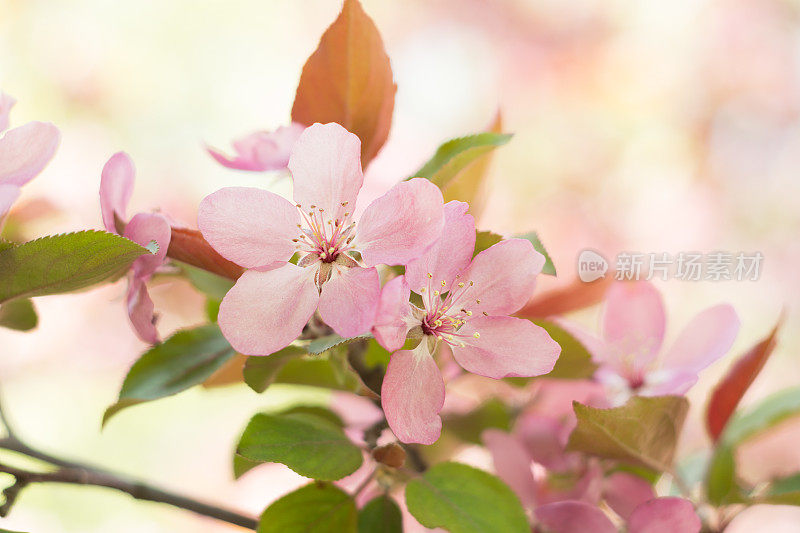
(266, 311)
(26, 150)
(512, 464)
(326, 169)
(391, 326)
(663, 382)
(143, 229)
(506, 346)
(573, 517)
(633, 320)
(8, 195)
(705, 339)
(251, 227)
(450, 254)
(140, 311)
(664, 515)
(116, 187)
(6, 103)
(349, 300)
(503, 277)
(412, 396)
(543, 438)
(261, 151)
(624, 492)
(400, 225)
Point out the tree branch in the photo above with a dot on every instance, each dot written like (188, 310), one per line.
(73, 473)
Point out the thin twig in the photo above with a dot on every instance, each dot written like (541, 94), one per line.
(140, 491)
(74, 473)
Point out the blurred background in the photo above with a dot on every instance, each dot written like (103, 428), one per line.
(644, 126)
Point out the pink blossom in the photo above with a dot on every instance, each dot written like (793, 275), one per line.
(116, 187)
(273, 300)
(633, 325)
(657, 515)
(24, 152)
(533, 460)
(466, 303)
(262, 150)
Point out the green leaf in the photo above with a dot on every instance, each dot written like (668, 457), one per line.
(380, 515)
(765, 415)
(457, 154)
(315, 508)
(260, 371)
(549, 268)
(721, 486)
(64, 263)
(785, 485)
(469, 426)
(327, 371)
(184, 360)
(19, 315)
(484, 240)
(311, 446)
(575, 361)
(462, 499)
(642, 432)
(207, 282)
(323, 344)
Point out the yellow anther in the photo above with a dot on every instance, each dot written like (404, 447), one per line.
(298, 205)
(477, 301)
(299, 226)
(422, 290)
(321, 210)
(312, 206)
(323, 255)
(485, 313)
(444, 283)
(346, 213)
(330, 250)
(471, 283)
(469, 313)
(461, 285)
(463, 345)
(345, 203)
(430, 276)
(476, 335)
(436, 293)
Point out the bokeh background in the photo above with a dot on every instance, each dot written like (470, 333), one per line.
(639, 125)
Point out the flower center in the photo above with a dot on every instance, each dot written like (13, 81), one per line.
(447, 313)
(323, 238)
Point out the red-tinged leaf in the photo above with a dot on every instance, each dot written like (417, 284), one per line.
(729, 391)
(573, 297)
(189, 246)
(348, 79)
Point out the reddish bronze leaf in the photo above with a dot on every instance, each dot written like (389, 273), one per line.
(729, 391)
(348, 79)
(574, 296)
(189, 246)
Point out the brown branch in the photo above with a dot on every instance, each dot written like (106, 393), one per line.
(99, 478)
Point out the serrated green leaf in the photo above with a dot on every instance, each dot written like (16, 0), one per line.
(380, 515)
(315, 508)
(318, 371)
(311, 446)
(323, 344)
(184, 360)
(260, 371)
(468, 427)
(463, 499)
(452, 157)
(64, 263)
(19, 315)
(643, 432)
